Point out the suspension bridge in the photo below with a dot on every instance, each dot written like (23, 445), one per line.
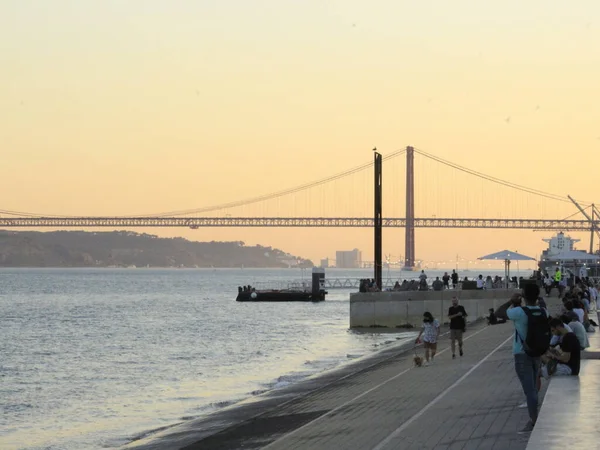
(441, 194)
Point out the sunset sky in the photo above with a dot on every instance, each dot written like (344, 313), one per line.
(130, 107)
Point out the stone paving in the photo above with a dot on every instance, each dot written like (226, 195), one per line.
(479, 410)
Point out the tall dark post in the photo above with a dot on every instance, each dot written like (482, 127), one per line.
(378, 220)
(593, 230)
(409, 239)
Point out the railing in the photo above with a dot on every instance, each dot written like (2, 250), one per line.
(338, 283)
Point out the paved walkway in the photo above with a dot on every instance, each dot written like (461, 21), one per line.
(470, 402)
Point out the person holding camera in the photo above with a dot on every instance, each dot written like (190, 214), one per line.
(531, 341)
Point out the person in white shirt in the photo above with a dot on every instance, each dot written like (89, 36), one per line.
(577, 328)
(548, 283)
(480, 282)
(580, 314)
(430, 332)
(593, 297)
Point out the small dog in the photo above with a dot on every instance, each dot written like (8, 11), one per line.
(418, 360)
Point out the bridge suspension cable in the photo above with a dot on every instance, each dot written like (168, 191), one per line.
(265, 197)
(576, 213)
(496, 180)
(7, 212)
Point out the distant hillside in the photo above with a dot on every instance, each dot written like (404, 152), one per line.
(125, 248)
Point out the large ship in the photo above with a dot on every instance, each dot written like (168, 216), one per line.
(561, 253)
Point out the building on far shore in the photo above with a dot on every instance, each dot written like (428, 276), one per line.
(351, 259)
(325, 263)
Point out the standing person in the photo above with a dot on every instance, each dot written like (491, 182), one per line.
(430, 332)
(542, 304)
(531, 341)
(446, 280)
(454, 277)
(548, 283)
(456, 314)
(557, 280)
(582, 273)
(423, 281)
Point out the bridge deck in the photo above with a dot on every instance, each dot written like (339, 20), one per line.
(319, 222)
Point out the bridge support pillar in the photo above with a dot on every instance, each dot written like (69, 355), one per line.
(378, 220)
(409, 237)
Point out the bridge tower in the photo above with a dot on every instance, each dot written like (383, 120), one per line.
(409, 239)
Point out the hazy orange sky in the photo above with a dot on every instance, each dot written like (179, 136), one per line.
(117, 108)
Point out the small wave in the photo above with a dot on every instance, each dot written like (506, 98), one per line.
(351, 356)
(183, 399)
(148, 433)
(259, 391)
(286, 380)
(221, 404)
(17, 407)
(188, 417)
(213, 406)
(127, 363)
(182, 358)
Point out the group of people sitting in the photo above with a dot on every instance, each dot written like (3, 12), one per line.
(368, 285)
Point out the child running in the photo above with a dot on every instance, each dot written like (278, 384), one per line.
(430, 332)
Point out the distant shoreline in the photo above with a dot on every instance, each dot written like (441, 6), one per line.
(127, 249)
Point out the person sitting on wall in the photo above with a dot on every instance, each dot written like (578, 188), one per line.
(492, 319)
(480, 282)
(565, 359)
(362, 287)
(438, 285)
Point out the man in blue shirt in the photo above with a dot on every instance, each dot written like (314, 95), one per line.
(527, 367)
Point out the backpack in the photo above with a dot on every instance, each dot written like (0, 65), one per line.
(538, 337)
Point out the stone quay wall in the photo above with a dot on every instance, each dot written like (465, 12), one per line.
(404, 309)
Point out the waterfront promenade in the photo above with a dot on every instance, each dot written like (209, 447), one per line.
(467, 403)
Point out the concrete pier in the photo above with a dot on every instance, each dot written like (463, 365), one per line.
(406, 308)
